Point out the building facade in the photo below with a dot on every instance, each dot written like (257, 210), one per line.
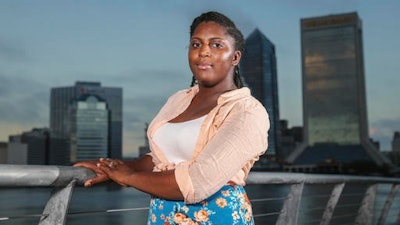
(396, 148)
(89, 128)
(396, 142)
(3, 152)
(334, 94)
(259, 70)
(30, 147)
(334, 102)
(89, 117)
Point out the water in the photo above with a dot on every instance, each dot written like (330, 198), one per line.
(96, 200)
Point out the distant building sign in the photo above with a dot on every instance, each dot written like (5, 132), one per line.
(328, 21)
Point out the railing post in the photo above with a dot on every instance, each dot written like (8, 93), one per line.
(398, 218)
(290, 209)
(366, 211)
(388, 204)
(331, 205)
(55, 212)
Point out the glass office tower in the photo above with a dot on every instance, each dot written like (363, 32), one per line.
(89, 128)
(334, 95)
(83, 105)
(258, 68)
(334, 103)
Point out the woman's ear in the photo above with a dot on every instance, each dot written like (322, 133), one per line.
(236, 58)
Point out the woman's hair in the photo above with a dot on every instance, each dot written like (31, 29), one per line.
(231, 29)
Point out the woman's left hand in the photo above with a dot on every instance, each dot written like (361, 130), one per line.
(116, 170)
(94, 166)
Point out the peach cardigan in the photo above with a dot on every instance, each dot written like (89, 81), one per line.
(232, 137)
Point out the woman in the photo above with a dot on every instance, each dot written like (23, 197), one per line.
(203, 141)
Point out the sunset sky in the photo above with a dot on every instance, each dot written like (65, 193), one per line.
(141, 46)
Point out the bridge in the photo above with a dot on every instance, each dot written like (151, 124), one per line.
(301, 194)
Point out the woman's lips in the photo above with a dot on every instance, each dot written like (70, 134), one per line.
(203, 66)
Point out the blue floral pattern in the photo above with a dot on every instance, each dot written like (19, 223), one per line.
(229, 205)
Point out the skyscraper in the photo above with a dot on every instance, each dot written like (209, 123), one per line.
(3, 152)
(258, 68)
(89, 128)
(89, 116)
(396, 142)
(334, 100)
(30, 147)
(396, 148)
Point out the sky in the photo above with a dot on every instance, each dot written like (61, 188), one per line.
(141, 46)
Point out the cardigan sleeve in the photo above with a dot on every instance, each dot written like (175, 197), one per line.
(240, 139)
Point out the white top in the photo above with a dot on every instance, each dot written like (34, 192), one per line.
(177, 140)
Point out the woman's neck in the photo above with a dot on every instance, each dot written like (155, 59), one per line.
(214, 92)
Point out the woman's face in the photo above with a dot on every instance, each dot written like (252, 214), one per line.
(212, 56)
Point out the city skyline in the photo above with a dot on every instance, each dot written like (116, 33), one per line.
(88, 115)
(141, 46)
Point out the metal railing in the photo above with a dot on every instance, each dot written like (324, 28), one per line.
(64, 178)
(289, 213)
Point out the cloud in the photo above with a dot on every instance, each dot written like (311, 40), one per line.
(12, 51)
(23, 101)
(24, 104)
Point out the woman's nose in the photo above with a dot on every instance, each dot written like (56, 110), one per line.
(204, 51)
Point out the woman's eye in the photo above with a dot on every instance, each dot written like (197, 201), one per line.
(196, 44)
(216, 45)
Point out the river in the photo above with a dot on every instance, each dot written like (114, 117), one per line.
(88, 205)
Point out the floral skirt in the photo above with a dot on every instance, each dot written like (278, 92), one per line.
(229, 205)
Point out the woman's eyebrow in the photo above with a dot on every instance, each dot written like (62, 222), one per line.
(212, 38)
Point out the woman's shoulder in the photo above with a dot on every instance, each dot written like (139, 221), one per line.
(240, 102)
(241, 96)
(183, 93)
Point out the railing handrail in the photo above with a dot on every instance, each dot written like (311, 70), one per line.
(293, 178)
(64, 178)
(41, 176)
(51, 176)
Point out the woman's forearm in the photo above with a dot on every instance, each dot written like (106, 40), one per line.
(142, 164)
(159, 184)
(137, 174)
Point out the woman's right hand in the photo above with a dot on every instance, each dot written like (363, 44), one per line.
(94, 166)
